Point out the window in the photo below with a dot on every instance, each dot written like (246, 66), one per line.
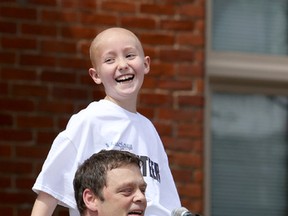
(249, 154)
(246, 159)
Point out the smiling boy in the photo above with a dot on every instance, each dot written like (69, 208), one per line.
(119, 63)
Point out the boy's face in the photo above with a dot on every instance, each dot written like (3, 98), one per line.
(124, 193)
(119, 64)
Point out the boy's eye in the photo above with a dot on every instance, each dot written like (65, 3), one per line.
(130, 56)
(108, 60)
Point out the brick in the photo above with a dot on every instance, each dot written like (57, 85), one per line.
(6, 210)
(45, 138)
(39, 29)
(8, 57)
(69, 93)
(182, 175)
(15, 135)
(162, 69)
(63, 122)
(150, 82)
(156, 99)
(181, 115)
(30, 90)
(199, 86)
(55, 107)
(83, 47)
(7, 27)
(157, 39)
(38, 60)
(25, 210)
(30, 152)
(18, 74)
(158, 9)
(191, 39)
(5, 181)
(17, 105)
(176, 55)
(164, 129)
(5, 151)
(177, 25)
(44, 2)
(6, 119)
(190, 130)
(3, 89)
(34, 122)
(12, 167)
(58, 76)
(58, 16)
(74, 63)
(118, 6)
(191, 100)
(24, 182)
(190, 190)
(169, 84)
(75, 5)
(138, 22)
(186, 159)
(106, 19)
(190, 70)
(199, 56)
(18, 43)
(78, 32)
(192, 10)
(182, 144)
(15, 197)
(19, 13)
(58, 47)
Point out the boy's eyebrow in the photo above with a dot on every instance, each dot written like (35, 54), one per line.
(109, 52)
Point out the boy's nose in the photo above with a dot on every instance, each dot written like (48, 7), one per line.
(122, 64)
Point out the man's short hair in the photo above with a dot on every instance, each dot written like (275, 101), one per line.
(92, 173)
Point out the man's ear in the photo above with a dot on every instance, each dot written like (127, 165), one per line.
(147, 64)
(94, 75)
(90, 200)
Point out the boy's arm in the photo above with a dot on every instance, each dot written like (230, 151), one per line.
(44, 205)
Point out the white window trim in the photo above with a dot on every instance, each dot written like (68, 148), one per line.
(237, 72)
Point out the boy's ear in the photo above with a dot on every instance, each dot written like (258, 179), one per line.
(90, 200)
(147, 64)
(94, 75)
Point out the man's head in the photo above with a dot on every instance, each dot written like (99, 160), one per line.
(110, 183)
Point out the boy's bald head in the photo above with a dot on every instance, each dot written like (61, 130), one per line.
(105, 35)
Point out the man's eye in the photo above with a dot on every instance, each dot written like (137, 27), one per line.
(143, 189)
(127, 191)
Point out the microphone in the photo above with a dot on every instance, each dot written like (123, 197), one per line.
(182, 211)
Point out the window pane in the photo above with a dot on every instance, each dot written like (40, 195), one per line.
(256, 26)
(249, 155)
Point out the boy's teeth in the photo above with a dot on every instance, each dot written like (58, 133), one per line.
(125, 78)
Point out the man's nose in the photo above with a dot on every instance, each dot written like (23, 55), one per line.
(140, 196)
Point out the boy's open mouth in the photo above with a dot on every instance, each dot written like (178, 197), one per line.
(125, 78)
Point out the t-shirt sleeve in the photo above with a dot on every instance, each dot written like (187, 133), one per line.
(57, 174)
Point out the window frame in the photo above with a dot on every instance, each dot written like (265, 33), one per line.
(239, 73)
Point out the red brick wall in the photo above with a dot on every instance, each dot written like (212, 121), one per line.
(44, 79)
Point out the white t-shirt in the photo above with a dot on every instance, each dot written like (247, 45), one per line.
(105, 125)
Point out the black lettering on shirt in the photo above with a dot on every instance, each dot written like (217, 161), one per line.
(150, 168)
